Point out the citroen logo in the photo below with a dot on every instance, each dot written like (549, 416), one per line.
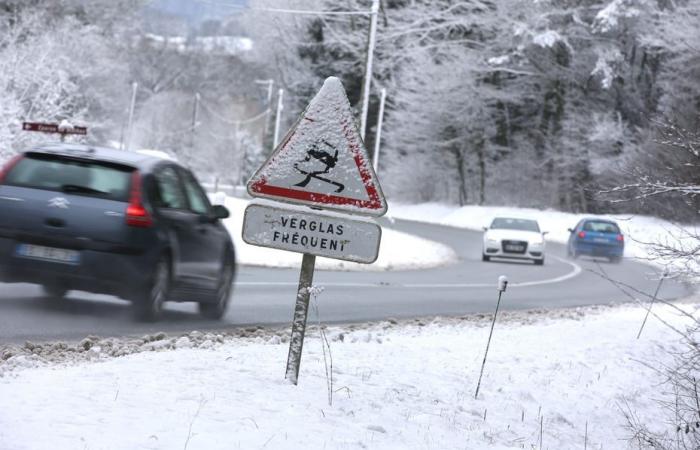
(59, 202)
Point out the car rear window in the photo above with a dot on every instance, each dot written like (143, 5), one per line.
(71, 175)
(601, 227)
(501, 223)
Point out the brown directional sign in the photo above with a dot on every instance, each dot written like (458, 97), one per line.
(53, 128)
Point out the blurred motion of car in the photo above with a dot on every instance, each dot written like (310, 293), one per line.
(113, 222)
(515, 238)
(596, 237)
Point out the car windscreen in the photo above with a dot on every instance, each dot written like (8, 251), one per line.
(600, 227)
(501, 223)
(71, 175)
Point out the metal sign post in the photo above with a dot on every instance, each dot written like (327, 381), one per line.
(301, 312)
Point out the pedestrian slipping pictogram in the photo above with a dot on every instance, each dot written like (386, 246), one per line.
(322, 160)
(326, 159)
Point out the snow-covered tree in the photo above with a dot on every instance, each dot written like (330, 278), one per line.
(57, 61)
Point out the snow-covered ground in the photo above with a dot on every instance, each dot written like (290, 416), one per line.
(640, 231)
(406, 385)
(398, 251)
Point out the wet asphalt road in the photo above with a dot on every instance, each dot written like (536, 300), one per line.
(266, 296)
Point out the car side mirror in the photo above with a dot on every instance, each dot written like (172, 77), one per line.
(570, 230)
(544, 233)
(220, 212)
(485, 228)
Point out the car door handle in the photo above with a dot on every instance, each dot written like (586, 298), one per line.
(202, 230)
(55, 223)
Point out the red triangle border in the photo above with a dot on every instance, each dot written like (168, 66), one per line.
(260, 186)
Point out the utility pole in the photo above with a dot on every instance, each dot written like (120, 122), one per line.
(278, 118)
(195, 114)
(269, 82)
(244, 160)
(378, 137)
(126, 143)
(374, 13)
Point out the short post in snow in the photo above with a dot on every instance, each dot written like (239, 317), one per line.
(664, 275)
(301, 312)
(502, 285)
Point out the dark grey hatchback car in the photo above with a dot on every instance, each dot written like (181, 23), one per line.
(113, 222)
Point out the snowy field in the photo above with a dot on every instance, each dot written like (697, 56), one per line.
(639, 231)
(550, 377)
(398, 251)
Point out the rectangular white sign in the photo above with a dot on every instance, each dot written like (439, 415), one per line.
(315, 234)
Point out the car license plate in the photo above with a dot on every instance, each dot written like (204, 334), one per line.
(60, 255)
(601, 240)
(515, 248)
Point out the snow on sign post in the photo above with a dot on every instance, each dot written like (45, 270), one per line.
(62, 128)
(321, 163)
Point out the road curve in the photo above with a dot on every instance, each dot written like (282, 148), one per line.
(266, 296)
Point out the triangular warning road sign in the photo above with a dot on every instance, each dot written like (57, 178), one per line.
(322, 160)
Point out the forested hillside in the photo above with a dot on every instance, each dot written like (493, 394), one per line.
(78, 60)
(521, 102)
(534, 103)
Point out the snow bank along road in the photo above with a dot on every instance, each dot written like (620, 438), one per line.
(266, 295)
(398, 386)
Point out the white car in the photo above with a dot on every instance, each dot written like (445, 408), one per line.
(509, 237)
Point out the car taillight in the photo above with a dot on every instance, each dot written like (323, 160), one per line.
(9, 166)
(136, 214)
(620, 238)
(581, 234)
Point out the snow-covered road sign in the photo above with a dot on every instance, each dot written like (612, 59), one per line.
(322, 161)
(315, 234)
(54, 128)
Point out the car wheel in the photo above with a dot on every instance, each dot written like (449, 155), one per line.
(54, 292)
(217, 309)
(485, 258)
(539, 262)
(149, 305)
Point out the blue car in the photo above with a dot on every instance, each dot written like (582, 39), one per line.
(76, 217)
(596, 237)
